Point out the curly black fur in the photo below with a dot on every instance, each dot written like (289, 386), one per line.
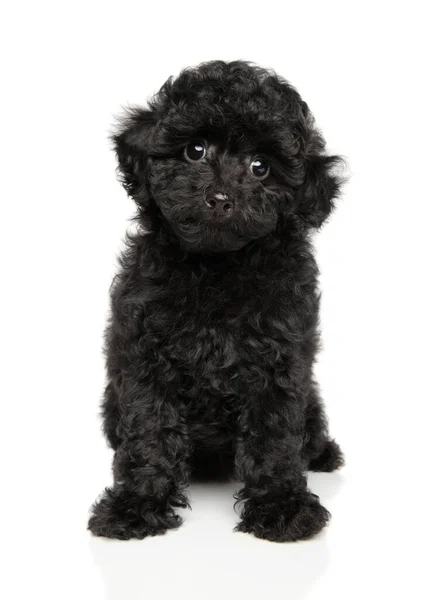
(214, 325)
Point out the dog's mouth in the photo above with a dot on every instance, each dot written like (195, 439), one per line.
(207, 231)
(213, 237)
(222, 236)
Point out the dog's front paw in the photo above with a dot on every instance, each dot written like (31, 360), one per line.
(123, 515)
(300, 518)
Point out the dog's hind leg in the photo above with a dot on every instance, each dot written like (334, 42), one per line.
(320, 452)
(212, 465)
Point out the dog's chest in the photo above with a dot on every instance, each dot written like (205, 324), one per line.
(223, 330)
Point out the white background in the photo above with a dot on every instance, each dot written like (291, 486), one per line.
(67, 67)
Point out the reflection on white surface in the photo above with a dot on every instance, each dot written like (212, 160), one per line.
(205, 554)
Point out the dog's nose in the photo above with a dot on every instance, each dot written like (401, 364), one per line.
(220, 205)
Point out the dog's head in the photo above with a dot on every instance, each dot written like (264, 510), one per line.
(225, 153)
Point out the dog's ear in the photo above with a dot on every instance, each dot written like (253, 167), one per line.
(131, 144)
(322, 181)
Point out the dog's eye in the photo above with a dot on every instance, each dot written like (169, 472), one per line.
(195, 151)
(260, 168)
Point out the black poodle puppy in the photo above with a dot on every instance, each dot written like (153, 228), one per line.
(214, 312)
